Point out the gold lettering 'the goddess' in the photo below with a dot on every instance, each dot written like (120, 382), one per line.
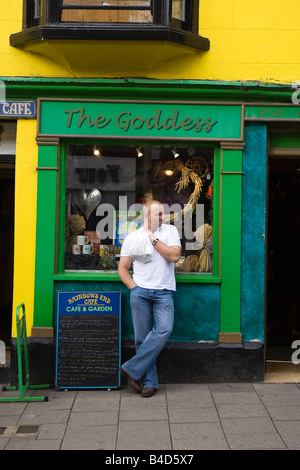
(99, 121)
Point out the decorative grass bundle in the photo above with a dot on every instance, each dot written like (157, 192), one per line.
(75, 226)
(204, 262)
(203, 236)
(188, 175)
(189, 264)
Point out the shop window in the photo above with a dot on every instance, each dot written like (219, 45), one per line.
(154, 20)
(106, 187)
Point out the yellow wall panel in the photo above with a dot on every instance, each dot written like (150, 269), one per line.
(285, 47)
(235, 47)
(25, 218)
(215, 15)
(11, 10)
(265, 14)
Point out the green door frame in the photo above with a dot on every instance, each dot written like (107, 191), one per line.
(230, 241)
(46, 230)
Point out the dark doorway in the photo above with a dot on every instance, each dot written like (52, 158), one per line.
(283, 254)
(7, 190)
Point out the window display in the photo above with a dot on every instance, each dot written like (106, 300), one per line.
(106, 187)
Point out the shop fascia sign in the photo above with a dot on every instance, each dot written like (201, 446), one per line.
(14, 109)
(272, 113)
(136, 119)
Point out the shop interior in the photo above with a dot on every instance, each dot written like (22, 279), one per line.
(283, 250)
(7, 190)
(7, 180)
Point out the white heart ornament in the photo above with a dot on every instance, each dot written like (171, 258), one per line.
(87, 201)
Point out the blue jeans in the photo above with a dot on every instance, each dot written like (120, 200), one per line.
(148, 305)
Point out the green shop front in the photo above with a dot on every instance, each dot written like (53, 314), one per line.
(207, 162)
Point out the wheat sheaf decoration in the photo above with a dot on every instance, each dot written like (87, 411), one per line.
(75, 226)
(193, 171)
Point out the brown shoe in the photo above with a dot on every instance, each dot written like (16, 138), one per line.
(147, 392)
(134, 384)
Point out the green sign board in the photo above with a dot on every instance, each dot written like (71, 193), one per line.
(272, 113)
(133, 119)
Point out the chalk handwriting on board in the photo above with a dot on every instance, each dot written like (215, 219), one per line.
(88, 349)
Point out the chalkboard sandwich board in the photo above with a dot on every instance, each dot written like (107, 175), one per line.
(88, 340)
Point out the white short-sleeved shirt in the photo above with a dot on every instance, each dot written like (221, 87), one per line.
(158, 273)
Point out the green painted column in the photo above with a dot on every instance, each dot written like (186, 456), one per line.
(45, 236)
(230, 242)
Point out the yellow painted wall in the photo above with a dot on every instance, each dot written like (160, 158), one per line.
(250, 40)
(25, 218)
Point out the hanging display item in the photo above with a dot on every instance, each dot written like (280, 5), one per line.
(87, 201)
(192, 173)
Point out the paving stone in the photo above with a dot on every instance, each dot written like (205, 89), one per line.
(12, 409)
(41, 416)
(21, 444)
(144, 435)
(79, 437)
(244, 410)
(255, 441)
(248, 426)
(235, 398)
(290, 433)
(96, 400)
(198, 436)
(193, 415)
(285, 413)
(3, 442)
(52, 431)
(99, 418)
(145, 413)
(191, 395)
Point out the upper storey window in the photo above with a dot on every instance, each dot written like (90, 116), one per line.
(114, 11)
(157, 20)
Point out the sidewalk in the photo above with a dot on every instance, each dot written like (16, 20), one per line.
(178, 417)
